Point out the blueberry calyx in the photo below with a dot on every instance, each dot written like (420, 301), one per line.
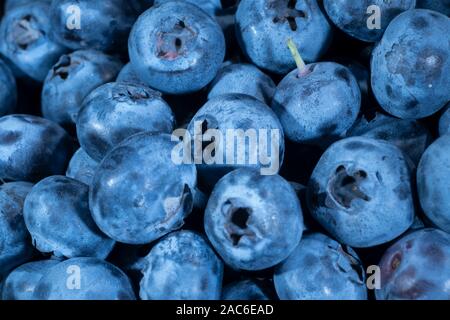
(238, 217)
(24, 32)
(345, 187)
(288, 13)
(61, 69)
(172, 44)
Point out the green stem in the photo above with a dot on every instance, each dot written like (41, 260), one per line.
(297, 57)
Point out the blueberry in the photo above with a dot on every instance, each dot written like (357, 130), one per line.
(127, 74)
(444, 123)
(360, 192)
(408, 135)
(243, 78)
(15, 245)
(20, 283)
(176, 47)
(8, 89)
(82, 167)
(442, 6)
(416, 267)
(353, 17)
(116, 111)
(433, 176)
(244, 290)
(182, 266)
(246, 115)
(138, 194)
(84, 279)
(10, 4)
(320, 103)
(71, 79)
(87, 24)
(264, 26)
(410, 65)
(321, 269)
(247, 223)
(57, 215)
(210, 6)
(25, 39)
(32, 148)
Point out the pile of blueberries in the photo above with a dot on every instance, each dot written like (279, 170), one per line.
(93, 205)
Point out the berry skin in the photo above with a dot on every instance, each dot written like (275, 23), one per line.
(21, 282)
(416, 267)
(410, 136)
(84, 279)
(181, 266)
(128, 75)
(136, 203)
(244, 290)
(264, 26)
(321, 269)
(25, 39)
(176, 47)
(209, 6)
(15, 244)
(444, 123)
(86, 24)
(245, 79)
(433, 176)
(82, 167)
(318, 104)
(115, 111)
(411, 63)
(32, 148)
(57, 215)
(8, 89)
(236, 112)
(71, 79)
(246, 222)
(351, 16)
(360, 192)
(442, 6)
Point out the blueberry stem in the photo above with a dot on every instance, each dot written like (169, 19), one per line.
(301, 66)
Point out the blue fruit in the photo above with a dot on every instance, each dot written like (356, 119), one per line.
(444, 123)
(246, 222)
(181, 266)
(21, 282)
(8, 90)
(209, 6)
(411, 63)
(15, 244)
(318, 104)
(416, 267)
(225, 114)
(442, 6)
(139, 194)
(25, 39)
(360, 192)
(84, 279)
(433, 185)
(176, 47)
(127, 74)
(71, 79)
(57, 215)
(243, 78)
(321, 269)
(244, 290)
(354, 17)
(32, 148)
(116, 111)
(82, 167)
(264, 26)
(408, 135)
(100, 25)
